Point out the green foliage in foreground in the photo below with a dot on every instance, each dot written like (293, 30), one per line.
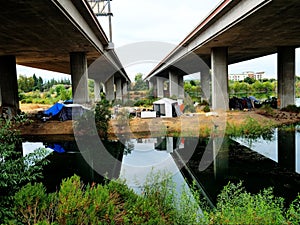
(115, 203)
(15, 170)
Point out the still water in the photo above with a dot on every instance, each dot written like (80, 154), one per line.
(258, 163)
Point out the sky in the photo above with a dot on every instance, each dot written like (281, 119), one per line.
(167, 21)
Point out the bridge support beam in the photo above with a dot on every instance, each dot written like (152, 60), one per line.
(97, 90)
(110, 88)
(79, 74)
(119, 91)
(160, 87)
(286, 76)
(205, 84)
(219, 66)
(8, 82)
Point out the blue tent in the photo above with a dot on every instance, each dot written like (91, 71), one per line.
(54, 110)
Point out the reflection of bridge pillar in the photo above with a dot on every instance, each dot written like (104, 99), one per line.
(119, 91)
(110, 89)
(97, 90)
(8, 82)
(160, 87)
(287, 149)
(205, 84)
(286, 76)
(173, 84)
(221, 156)
(79, 76)
(219, 68)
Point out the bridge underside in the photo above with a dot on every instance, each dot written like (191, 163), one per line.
(240, 31)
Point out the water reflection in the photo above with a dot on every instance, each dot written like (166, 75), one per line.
(258, 163)
(281, 148)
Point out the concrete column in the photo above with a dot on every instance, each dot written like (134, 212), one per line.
(205, 84)
(110, 89)
(8, 82)
(119, 91)
(97, 90)
(173, 84)
(125, 91)
(286, 76)
(180, 87)
(220, 98)
(79, 74)
(153, 87)
(160, 87)
(287, 149)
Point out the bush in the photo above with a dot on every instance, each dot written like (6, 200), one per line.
(206, 108)
(16, 170)
(236, 206)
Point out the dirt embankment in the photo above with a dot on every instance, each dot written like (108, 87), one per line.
(199, 124)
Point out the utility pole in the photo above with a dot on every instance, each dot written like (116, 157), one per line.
(103, 8)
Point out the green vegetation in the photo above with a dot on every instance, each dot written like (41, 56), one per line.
(16, 170)
(259, 88)
(237, 206)
(139, 84)
(35, 90)
(251, 129)
(158, 203)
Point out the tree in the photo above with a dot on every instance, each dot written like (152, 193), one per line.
(139, 84)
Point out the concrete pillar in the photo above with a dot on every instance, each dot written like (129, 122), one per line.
(205, 84)
(173, 84)
(287, 149)
(79, 74)
(180, 87)
(219, 64)
(110, 89)
(160, 87)
(97, 90)
(119, 91)
(125, 91)
(286, 76)
(153, 87)
(8, 82)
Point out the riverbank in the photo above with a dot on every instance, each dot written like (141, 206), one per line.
(197, 124)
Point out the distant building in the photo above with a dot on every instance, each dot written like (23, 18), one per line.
(242, 76)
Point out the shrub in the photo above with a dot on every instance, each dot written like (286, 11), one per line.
(16, 170)
(206, 108)
(236, 206)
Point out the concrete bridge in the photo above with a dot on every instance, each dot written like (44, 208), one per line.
(61, 36)
(235, 31)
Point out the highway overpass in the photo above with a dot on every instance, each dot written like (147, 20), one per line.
(57, 35)
(235, 31)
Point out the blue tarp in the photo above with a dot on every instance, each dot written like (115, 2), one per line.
(54, 110)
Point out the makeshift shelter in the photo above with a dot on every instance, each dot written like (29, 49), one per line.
(65, 111)
(166, 107)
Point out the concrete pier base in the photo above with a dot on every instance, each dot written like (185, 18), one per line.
(173, 84)
(79, 74)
